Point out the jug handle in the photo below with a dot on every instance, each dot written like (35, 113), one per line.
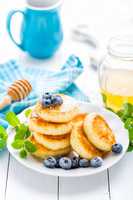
(8, 24)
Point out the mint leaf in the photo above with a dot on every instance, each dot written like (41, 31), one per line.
(130, 148)
(129, 123)
(130, 132)
(17, 144)
(22, 128)
(30, 147)
(120, 113)
(23, 153)
(19, 136)
(28, 133)
(126, 115)
(2, 143)
(3, 137)
(3, 133)
(12, 119)
(28, 112)
(128, 109)
(21, 131)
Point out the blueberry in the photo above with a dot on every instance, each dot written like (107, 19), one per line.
(84, 162)
(117, 148)
(75, 162)
(57, 162)
(50, 162)
(47, 95)
(96, 162)
(57, 100)
(65, 163)
(46, 102)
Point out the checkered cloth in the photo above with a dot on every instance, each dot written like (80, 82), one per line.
(42, 80)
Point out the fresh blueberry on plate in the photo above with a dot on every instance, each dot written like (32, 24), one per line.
(65, 163)
(75, 162)
(84, 162)
(50, 162)
(57, 100)
(96, 162)
(117, 148)
(57, 162)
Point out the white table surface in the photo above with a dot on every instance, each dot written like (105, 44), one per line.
(105, 18)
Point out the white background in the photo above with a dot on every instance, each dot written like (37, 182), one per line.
(105, 18)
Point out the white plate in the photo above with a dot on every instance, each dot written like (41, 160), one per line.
(114, 122)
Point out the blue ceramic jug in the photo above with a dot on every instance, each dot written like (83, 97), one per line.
(41, 30)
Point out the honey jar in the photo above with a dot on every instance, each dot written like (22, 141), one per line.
(116, 73)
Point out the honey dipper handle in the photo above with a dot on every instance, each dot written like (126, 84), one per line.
(5, 102)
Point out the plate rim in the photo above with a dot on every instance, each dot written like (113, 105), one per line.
(66, 174)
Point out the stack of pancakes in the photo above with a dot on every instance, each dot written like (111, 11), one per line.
(58, 130)
(51, 127)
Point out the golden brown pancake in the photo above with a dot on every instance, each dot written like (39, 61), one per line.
(43, 152)
(38, 125)
(79, 118)
(53, 142)
(81, 144)
(59, 114)
(98, 132)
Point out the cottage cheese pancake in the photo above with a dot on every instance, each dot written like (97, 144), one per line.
(81, 144)
(59, 114)
(43, 152)
(38, 125)
(53, 142)
(79, 119)
(98, 132)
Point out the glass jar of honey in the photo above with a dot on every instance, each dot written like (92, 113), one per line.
(116, 73)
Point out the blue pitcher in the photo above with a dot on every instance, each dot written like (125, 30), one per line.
(41, 30)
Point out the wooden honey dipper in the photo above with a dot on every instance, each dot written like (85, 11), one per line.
(16, 92)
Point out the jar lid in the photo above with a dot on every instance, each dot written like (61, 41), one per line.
(121, 46)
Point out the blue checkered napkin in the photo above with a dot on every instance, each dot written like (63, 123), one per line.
(42, 80)
(55, 81)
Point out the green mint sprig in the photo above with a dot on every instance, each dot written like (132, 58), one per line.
(126, 115)
(22, 133)
(3, 138)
